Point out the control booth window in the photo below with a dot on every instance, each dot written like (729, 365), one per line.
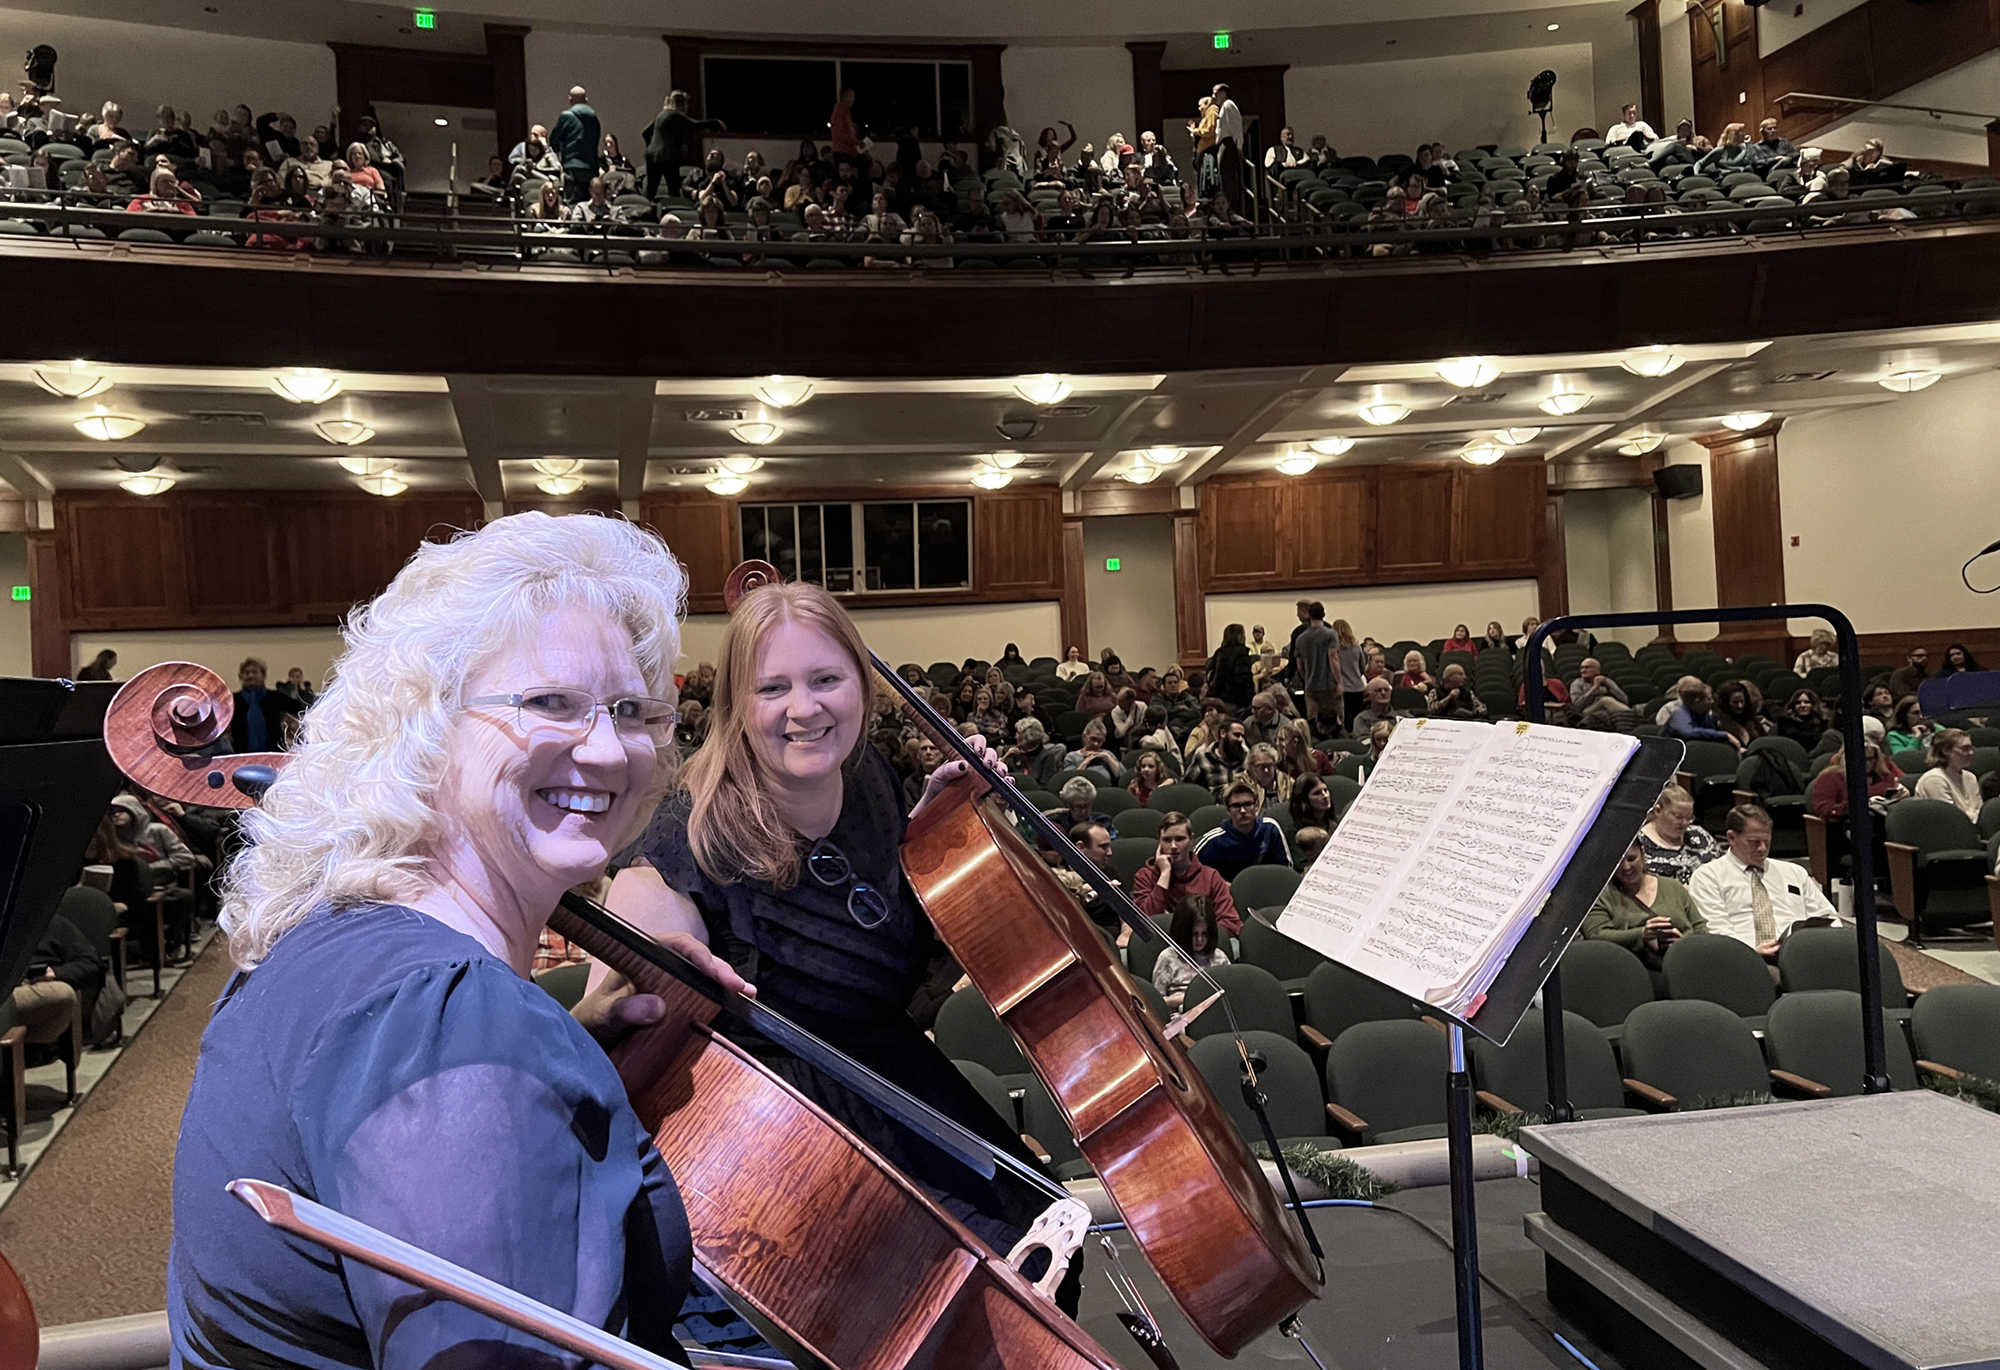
(863, 547)
(793, 97)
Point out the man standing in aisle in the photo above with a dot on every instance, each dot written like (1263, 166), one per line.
(671, 143)
(1316, 662)
(576, 139)
(1229, 144)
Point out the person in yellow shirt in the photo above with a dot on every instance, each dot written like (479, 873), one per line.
(1202, 130)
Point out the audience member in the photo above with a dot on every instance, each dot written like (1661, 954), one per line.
(100, 666)
(1092, 755)
(1750, 895)
(1247, 839)
(1261, 770)
(1229, 677)
(1628, 124)
(262, 716)
(1196, 947)
(1642, 912)
(1094, 841)
(1908, 728)
(1739, 710)
(1377, 695)
(1461, 640)
(1213, 765)
(1149, 772)
(1033, 760)
(1296, 754)
(1957, 659)
(1905, 680)
(1950, 778)
(1823, 652)
(1414, 675)
(1803, 719)
(1828, 797)
(1079, 797)
(1695, 718)
(1455, 698)
(1175, 872)
(1316, 658)
(1096, 696)
(671, 143)
(1676, 846)
(1594, 694)
(1073, 665)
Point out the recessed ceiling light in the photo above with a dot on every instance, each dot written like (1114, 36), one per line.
(344, 432)
(1907, 382)
(992, 478)
(556, 466)
(73, 382)
(386, 484)
(306, 385)
(727, 485)
(1045, 389)
(147, 485)
(1468, 373)
(105, 426)
(559, 485)
(1384, 412)
(1640, 443)
(1564, 402)
(1653, 362)
(1005, 461)
(1749, 419)
(442, 122)
(1483, 453)
(1141, 471)
(367, 466)
(1554, 27)
(783, 392)
(742, 466)
(1297, 463)
(1332, 447)
(1515, 437)
(756, 434)
(1164, 456)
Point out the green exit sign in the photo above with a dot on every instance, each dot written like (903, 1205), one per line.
(1221, 40)
(1110, 564)
(426, 19)
(22, 592)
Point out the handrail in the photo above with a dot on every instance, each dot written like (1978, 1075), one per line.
(1934, 111)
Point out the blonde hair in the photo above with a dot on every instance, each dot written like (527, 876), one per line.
(351, 820)
(735, 827)
(1670, 796)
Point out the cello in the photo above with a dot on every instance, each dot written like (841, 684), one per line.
(877, 1276)
(1170, 1158)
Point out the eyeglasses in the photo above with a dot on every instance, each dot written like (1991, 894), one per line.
(569, 709)
(829, 865)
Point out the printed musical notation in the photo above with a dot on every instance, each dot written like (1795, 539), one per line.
(1452, 846)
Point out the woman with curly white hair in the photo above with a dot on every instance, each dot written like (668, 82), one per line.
(497, 729)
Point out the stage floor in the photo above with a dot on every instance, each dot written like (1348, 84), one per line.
(1873, 1223)
(1388, 1300)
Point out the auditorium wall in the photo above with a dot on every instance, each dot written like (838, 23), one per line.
(1384, 612)
(142, 66)
(1691, 541)
(1463, 100)
(219, 649)
(1608, 536)
(1131, 610)
(1888, 501)
(1676, 63)
(923, 635)
(16, 652)
(625, 75)
(1778, 25)
(1913, 133)
(1089, 86)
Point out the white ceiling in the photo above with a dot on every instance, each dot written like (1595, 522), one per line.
(228, 429)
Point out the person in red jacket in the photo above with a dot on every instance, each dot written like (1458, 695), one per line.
(1176, 872)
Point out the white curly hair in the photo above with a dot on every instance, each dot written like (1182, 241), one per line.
(352, 816)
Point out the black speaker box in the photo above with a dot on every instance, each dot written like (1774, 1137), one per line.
(1678, 482)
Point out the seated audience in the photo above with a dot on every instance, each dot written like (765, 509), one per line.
(1213, 765)
(1676, 846)
(1175, 872)
(1073, 665)
(1094, 841)
(1414, 676)
(1739, 709)
(1094, 756)
(1878, 702)
(988, 716)
(1461, 640)
(1312, 804)
(1828, 797)
(1379, 710)
(1957, 659)
(1261, 771)
(1149, 772)
(1125, 717)
(1906, 679)
(60, 988)
(1823, 653)
(1096, 696)
(1247, 839)
(1673, 701)
(1695, 718)
(1803, 719)
(1197, 946)
(1594, 694)
(1495, 639)
(1641, 911)
(1079, 797)
(1950, 778)
(1307, 844)
(1908, 728)
(1455, 698)
(1750, 895)
(1033, 759)
(1296, 754)
(1267, 715)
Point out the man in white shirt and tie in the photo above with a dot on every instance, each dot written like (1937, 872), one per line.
(1229, 144)
(1748, 895)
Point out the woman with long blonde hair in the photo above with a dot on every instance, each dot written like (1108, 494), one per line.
(782, 853)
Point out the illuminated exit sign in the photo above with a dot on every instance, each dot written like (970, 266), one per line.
(426, 19)
(1110, 564)
(22, 592)
(1221, 40)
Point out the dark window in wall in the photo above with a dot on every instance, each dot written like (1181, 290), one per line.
(955, 100)
(770, 95)
(944, 544)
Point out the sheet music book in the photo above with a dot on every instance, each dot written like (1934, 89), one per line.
(1450, 851)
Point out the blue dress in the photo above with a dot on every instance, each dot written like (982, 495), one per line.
(390, 1068)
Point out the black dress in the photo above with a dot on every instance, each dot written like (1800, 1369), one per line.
(812, 961)
(1229, 677)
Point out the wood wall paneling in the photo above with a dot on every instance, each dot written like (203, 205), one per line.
(1495, 513)
(701, 530)
(339, 556)
(1148, 101)
(1075, 608)
(506, 52)
(1413, 519)
(120, 557)
(1749, 537)
(1243, 539)
(232, 549)
(1552, 572)
(1017, 542)
(364, 74)
(1645, 17)
(1190, 603)
(1329, 526)
(48, 640)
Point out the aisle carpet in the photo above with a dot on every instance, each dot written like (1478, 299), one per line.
(89, 1228)
(1922, 971)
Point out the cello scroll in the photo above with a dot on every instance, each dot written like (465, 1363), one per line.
(160, 726)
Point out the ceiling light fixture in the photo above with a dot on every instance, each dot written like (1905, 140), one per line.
(135, 463)
(1005, 461)
(726, 485)
(1483, 453)
(147, 485)
(103, 425)
(1164, 456)
(344, 432)
(1332, 447)
(782, 392)
(1515, 437)
(556, 466)
(1045, 389)
(367, 466)
(73, 382)
(1564, 402)
(1141, 471)
(742, 466)
(1297, 463)
(559, 485)
(442, 122)
(1384, 412)
(306, 385)
(1909, 381)
(1749, 419)
(1640, 443)
(992, 478)
(1468, 373)
(757, 434)
(387, 484)
(1653, 362)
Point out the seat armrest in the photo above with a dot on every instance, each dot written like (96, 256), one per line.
(1812, 1089)
(1349, 1123)
(1656, 1099)
(1903, 880)
(1036, 1149)
(1816, 848)
(1993, 904)
(15, 1036)
(1685, 779)
(1933, 1068)
(1312, 1039)
(1496, 1103)
(1742, 797)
